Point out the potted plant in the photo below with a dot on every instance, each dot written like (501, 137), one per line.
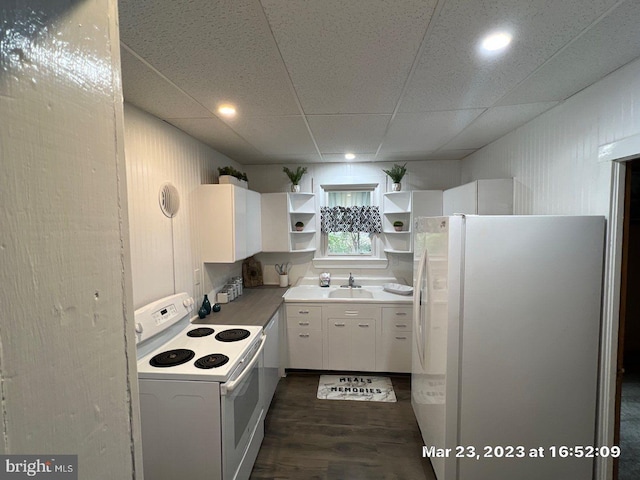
(232, 176)
(295, 177)
(299, 226)
(396, 173)
(398, 225)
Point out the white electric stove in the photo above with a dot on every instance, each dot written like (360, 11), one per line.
(200, 393)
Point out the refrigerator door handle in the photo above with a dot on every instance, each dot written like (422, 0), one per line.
(417, 310)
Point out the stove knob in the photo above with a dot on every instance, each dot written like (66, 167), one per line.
(138, 327)
(188, 303)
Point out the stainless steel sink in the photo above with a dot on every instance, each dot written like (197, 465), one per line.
(351, 293)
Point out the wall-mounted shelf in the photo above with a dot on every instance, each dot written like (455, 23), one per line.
(404, 207)
(280, 213)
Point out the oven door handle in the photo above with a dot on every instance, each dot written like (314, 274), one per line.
(229, 387)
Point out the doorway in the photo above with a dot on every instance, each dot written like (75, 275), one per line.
(627, 432)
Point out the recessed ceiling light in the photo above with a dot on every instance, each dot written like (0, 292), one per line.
(349, 156)
(496, 41)
(227, 110)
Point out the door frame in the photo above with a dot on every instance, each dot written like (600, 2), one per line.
(616, 154)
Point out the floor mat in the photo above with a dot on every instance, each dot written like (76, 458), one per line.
(356, 387)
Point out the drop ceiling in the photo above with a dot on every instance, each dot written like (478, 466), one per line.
(387, 80)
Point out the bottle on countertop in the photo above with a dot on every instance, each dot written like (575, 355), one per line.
(206, 304)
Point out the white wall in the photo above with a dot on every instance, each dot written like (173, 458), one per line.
(554, 158)
(425, 175)
(67, 358)
(164, 253)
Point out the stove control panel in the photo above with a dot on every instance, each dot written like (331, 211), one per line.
(154, 318)
(164, 314)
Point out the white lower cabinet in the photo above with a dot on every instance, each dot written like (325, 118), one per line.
(394, 352)
(304, 336)
(349, 336)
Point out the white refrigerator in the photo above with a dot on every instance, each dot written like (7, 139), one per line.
(506, 338)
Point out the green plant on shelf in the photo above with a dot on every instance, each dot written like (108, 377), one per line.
(396, 172)
(295, 176)
(229, 170)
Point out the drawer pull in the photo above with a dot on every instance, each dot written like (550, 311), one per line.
(303, 312)
(303, 324)
(401, 314)
(401, 338)
(304, 335)
(339, 324)
(351, 312)
(363, 325)
(401, 325)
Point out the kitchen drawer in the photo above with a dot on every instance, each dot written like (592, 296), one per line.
(304, 316)
(397, 319)
(351, 311)
(303, 311)
(305, 348)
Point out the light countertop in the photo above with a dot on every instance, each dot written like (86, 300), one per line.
(337, 294)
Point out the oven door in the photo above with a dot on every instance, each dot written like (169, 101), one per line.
(242, 416)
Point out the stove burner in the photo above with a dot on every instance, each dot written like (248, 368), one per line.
(211, 361)
(232, 335)
(200, 332)
(172, 358)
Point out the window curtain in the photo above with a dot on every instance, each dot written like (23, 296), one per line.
(350, 219)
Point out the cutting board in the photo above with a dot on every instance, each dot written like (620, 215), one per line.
(252, 273)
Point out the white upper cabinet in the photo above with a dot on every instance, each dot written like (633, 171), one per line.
(482, 197)
(404, 207)
(254, 223)
(229, 223)
(280, 213)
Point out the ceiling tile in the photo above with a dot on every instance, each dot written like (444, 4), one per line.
(216, 134)
(611, 43)
(348, 133)
(496, 122)
(275, 135)
(424, 156)
(451, 75)
(449, 154)
(204, 43)
(339, 158)
(279, 159)
(426, 132)
(348, 57)
(143, 87)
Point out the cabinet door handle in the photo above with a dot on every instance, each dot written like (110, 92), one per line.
(401, 314)
(303, 312)
(401, 325)
(339, 324)
(304, 335)
(401, 338)
(363, 325)
(303, 324)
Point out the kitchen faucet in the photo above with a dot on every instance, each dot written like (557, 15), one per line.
(351, 283)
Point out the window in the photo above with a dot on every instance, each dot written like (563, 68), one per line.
(349, 243)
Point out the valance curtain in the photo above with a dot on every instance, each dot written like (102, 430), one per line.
(350, 219)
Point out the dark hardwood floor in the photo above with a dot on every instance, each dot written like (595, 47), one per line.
(307, 438)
